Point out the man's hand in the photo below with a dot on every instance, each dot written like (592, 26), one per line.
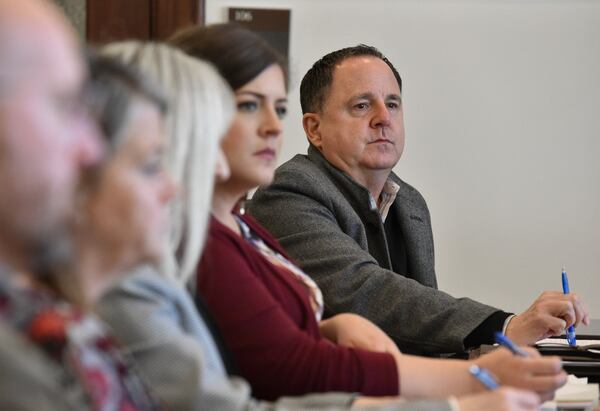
(549, 315)
(544, 375)
(352, 330)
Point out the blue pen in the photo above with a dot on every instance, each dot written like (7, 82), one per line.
(571, 330)
(504, 341)
(484, 377)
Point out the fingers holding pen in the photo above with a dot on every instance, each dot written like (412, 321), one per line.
(574, 309)
(544, 375)
(550, 314)
(539, 374)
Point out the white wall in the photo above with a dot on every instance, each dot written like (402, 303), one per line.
(502, 112)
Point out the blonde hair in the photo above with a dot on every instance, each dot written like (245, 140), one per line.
(200, 109)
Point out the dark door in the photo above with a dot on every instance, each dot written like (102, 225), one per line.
(112, 20)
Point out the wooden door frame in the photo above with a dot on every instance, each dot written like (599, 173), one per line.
(157, 29)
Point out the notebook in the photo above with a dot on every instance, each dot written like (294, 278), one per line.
(584, 349)
(583, 360)
(576, 394)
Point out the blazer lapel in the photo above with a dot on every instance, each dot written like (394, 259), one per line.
(416, 231)
(359, 199)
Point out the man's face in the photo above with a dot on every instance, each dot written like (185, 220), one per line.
(45, 138)
(361, 127)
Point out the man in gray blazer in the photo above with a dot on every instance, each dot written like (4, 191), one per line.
(364, 234)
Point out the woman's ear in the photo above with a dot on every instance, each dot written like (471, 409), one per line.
(311, 123)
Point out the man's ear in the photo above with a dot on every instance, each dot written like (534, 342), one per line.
(311, 123)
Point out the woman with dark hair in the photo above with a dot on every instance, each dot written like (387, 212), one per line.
(257, 74)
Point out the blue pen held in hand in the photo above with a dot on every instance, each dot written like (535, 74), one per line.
(504, 341)
(571, 330)
(484, 377)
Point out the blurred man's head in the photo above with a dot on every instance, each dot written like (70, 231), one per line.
(45, 136)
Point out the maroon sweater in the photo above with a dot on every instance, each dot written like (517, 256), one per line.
(266, 319)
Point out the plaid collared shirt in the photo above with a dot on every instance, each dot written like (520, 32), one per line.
(386, 198)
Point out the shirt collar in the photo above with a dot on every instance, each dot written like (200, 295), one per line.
(386, 198)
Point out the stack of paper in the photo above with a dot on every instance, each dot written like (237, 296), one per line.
(576, 394)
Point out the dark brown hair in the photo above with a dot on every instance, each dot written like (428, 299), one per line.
(318, 79)
(238, 53)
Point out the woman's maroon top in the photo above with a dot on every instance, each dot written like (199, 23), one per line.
(266, 319)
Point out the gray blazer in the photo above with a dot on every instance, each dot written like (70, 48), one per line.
(158, 323)
(323, 219)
